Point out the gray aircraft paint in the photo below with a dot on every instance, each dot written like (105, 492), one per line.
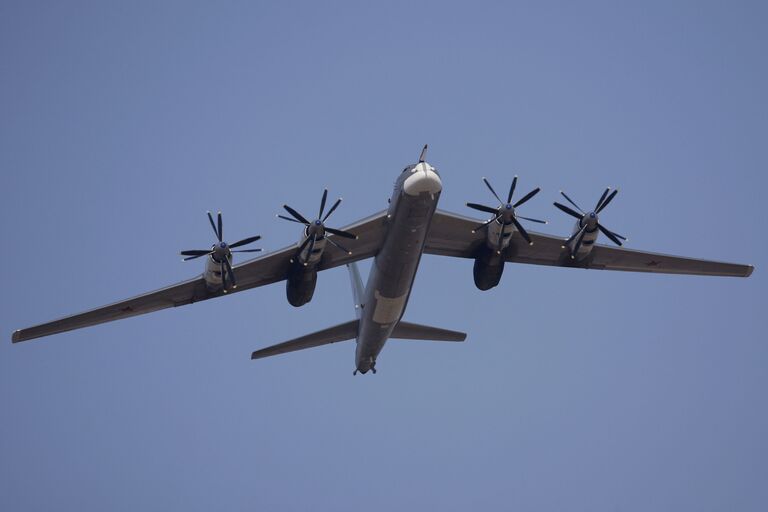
(413, 203)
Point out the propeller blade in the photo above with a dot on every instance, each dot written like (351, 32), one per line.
(568, 210)
(296, 215)
(483, 208)
(335, 205)
(619, 236)
(423, 154)
(245, 241)
(573, 236)
(481, 226)
(338, 246)
(512, 189)
(572, 202)
(230, 272)
(290, 219)
(339, 232)
(579, 239)
(522, 231)
(195, 252)
(500, 241)
(221, 228)
(322, 203)
(602, 198)
(303, 245)
(532, 220)
(487, 184)
(216, 231)
(608, 200)
(610, 235)
(248, 250)
(311, 248)
(195, 257)
(223, 277)
(526, 197)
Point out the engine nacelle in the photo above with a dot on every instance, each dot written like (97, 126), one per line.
(300, 285)
(587, 243)
(498, 235)
(212, 274)
(489, 265)
(302, 277)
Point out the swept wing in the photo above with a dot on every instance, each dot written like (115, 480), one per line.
(451, 235)
(261, 271)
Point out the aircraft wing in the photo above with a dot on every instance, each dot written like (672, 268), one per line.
(261, 271)
(451, 235)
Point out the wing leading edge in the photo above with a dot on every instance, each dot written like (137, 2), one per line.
(261, 271)
(451, 235)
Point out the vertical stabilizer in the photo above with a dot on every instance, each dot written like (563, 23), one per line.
(357, 287)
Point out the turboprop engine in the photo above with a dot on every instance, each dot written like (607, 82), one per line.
(585, 232)
(218, 272)
(302, 276)
(489, 262)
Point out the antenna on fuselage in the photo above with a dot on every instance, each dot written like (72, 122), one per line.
(423, 154)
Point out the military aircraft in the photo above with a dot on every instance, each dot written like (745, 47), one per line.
(396, 238)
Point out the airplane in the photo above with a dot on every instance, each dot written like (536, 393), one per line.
(395, 238)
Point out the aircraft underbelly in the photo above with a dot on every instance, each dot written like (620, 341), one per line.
(392, 274)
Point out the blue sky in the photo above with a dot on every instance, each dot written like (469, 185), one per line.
(122, 123)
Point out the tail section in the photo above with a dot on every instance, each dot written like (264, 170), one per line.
(341, 332)
(409, 331)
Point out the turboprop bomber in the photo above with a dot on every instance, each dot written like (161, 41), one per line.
(395, 238)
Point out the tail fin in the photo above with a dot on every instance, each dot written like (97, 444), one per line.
(357, 287)
(409, 331)
(341, 332)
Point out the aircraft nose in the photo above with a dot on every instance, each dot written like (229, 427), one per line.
(423, 178)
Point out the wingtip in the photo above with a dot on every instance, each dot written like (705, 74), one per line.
(750, 269)
(16, 336)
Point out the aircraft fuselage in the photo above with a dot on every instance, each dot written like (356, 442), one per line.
(412, 205)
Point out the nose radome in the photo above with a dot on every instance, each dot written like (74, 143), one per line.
(423, 178)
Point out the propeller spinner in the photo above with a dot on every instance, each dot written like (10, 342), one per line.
(506, 212)
(221, 252)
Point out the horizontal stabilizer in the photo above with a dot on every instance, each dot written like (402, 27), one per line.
(409, 331)
(341, 332)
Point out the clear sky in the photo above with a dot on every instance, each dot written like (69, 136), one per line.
(121, 123)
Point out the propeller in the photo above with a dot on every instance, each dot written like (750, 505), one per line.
(221, 252)
(589, 221)
(316, 229)
(506, 212)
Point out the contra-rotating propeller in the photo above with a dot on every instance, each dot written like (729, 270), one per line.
(316, 229)
(221, 251)
(589, 221)
(505, 212)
